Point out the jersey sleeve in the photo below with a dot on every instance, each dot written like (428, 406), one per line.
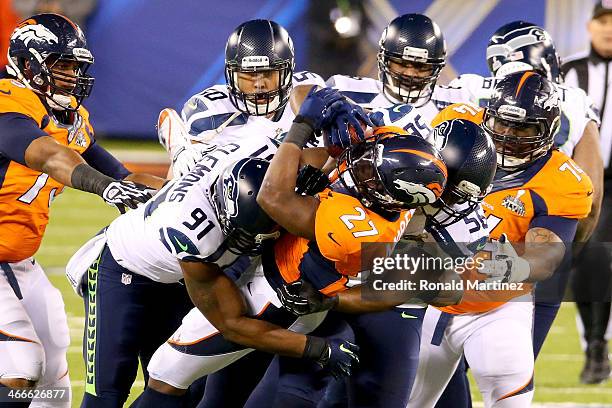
(209, 112)
(567, 190)
(15, 98)
(18, 131)
(466, 111)
(308, 78)
(100, 159)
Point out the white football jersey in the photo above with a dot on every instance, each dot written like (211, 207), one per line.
(576, 107)
(367, 92)
(179, 222)
(211, 117)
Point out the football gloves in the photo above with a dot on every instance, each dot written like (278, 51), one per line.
(310, 180)
(505, 265)
(301, 298)
(123, 194)
(340, 359)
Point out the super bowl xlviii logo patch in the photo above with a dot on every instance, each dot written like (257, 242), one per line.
(514, 203)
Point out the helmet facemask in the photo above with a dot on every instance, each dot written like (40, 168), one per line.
(457, 202)
(518, 142)
(62, 90)
(259, 102)
(358, 172)
(412, 89)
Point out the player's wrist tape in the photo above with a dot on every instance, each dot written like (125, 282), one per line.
(86, 178)
(299, 132)
(316, 349)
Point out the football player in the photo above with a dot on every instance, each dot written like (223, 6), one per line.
(411, 55)
(522, 118)
(260, 79)
(195, 350)
(138, 279)
(451, 221)
(47, 143)
(522, 46)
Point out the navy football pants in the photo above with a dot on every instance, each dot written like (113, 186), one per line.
(128, 317)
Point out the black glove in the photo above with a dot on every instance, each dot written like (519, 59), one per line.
(337, 356)
(301, 298)
(122, 193)
(310, 180)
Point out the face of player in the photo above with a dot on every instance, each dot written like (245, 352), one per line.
(258, 82)
(600, 30)
(64, 72)
(411, 69)
(513, 132)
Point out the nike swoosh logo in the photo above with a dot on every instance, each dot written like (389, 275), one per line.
(180, 244)
(330, 235)
(481, 245)
(342, 348)
(249, 288)
(408, 316)
(6, 92)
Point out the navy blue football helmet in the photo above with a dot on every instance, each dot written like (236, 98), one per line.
(522, 46)
(470, 157)
(38, 46)
(522, 117)
(245, 225)
(392, 171)
(415, 40)
(259, 46)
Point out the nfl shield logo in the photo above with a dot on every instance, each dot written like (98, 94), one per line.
(126, 278)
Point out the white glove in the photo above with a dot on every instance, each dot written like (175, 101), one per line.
(126, 194)
(185, 158)
(505, 265)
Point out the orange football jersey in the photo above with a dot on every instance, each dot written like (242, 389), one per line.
(342, 224)
(25, 194)
(467, 111)
(553, 185)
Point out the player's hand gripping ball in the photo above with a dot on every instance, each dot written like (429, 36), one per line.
(348, 126)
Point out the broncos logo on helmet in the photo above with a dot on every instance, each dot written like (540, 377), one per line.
(48, 53)
(392, 171)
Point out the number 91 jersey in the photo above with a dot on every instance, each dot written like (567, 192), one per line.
(179, 222)
(210, 116)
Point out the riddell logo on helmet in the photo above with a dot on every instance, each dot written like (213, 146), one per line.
(256, 61)
(418, 53)
(511, 112)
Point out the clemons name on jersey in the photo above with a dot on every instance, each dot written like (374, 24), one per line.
(179, 222)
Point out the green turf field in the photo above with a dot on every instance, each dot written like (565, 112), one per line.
(76, 216)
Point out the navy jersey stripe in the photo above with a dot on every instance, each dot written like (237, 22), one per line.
(214, 121)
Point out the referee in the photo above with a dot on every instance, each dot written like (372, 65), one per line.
(593, 268)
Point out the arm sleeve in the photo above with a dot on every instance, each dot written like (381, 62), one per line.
(564, 228)
(100, 159)
(17, 131)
